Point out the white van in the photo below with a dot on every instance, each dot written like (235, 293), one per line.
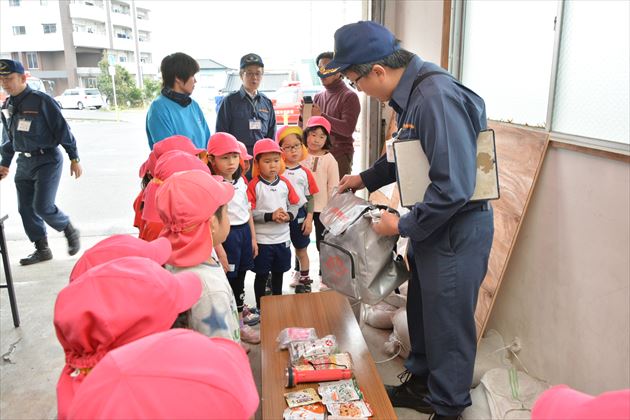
(80, 98)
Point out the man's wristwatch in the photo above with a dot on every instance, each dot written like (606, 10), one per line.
(77, 160)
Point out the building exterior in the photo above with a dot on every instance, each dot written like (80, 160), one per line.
(62, 41)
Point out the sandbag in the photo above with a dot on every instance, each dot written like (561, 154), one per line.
(399, 338)
(480, 409)
(511, 397)
(379, 315)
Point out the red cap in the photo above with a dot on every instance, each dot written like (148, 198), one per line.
(177, 142)
(266, 146)
(244, 154)
(114, 304)
(562, 402)
(148, 165)
(286, 130)
(318, 122)
(177, 374)
(167, 165)
(118, 246)
(186, 202)
(222, 144)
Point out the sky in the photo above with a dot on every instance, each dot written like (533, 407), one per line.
(281, 32)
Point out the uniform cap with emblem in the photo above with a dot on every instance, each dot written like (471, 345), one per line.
(9, 66)
(360, 43)
(251, 59)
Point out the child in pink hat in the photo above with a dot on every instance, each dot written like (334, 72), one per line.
(237, 253)
(290, 140)
(323, 165)
(113, 304)
(245, 159)
(192, 206)
(274, 204)
(167, 164)
(118, 246)
(562, 402)
(177, 374)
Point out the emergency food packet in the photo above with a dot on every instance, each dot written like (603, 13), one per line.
(349, 410)
(303, 397)
(291, 334)
(332, 361)
(305, 412)
(312, 348)
(339, 391)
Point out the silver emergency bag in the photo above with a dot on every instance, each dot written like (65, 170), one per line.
(355, 260)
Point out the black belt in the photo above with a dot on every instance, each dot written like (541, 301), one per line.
(37, 152)
(475, 206)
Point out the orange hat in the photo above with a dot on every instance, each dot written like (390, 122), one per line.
(167, 165)
(185, 202)
(177, 374)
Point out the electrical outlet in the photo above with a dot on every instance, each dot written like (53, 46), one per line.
(515, 347)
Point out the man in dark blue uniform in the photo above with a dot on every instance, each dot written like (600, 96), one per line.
(450, 236)
(248, 114)
(34, 127)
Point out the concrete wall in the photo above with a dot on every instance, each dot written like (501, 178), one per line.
(566, 291)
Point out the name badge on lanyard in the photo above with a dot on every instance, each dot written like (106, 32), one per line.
(24, 125)
(255, 124)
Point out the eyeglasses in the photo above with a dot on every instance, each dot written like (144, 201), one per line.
(257, 75)
(353, 84)
(292, 148)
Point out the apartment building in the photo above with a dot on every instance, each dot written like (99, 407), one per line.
(62, 41)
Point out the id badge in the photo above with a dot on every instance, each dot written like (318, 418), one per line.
(24, 125)
(255, 124)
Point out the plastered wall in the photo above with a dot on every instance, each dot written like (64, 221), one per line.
(418, 24)
(566, 291)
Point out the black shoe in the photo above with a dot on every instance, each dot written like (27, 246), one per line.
(410, 393)
(74, 239)
(436, 416)
(300, 288)
(38, 256)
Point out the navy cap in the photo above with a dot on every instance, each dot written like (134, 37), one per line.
(9, 66)
(251, 59)
(360, 43)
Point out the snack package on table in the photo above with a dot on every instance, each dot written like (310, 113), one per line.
(305, 412)
(291, 334)
(351, 409)
(312, 348)
(303, 397)
(332, 361)
(339, 391)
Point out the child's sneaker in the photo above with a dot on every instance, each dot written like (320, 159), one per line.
(295, 279)
(249, 335)
(304, 285)
(250, 317)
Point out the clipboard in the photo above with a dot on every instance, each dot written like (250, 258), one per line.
(412, 170)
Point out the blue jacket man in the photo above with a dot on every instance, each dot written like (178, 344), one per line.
(34, 128)
(248, 114)
(450, 236)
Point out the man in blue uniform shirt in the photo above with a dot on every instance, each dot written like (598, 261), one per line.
(248, 114)
(450, 236)
(34, 127)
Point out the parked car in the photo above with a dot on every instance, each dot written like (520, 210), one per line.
(287, 100)
(80, 98)
(34, 83)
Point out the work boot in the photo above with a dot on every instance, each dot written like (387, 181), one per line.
(42, 253)
(436, 416)
(74, 239)
(410, 393)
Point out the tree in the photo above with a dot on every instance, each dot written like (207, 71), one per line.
(152, 88)
(127, 93)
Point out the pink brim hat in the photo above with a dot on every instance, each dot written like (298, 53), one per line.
(177, 142)
(266, 146)
(319, 122)
(223, 143)
(562, 402)
(244, 154)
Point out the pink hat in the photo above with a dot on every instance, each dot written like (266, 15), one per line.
(286, 130)
(167, 165)
(176, 374)
(111, 305)
(186, 202)
(244, 154)
(562, 402)
(266, 146)
(318, 122)
(118, 246)
(222, 144)
(148, 166)
(177, 142)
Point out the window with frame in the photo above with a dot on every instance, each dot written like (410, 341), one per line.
(19, 30)
(31, 60)
(49, 28)
(559, 65)
(14, 3)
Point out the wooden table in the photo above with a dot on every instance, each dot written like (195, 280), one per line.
(329, 313)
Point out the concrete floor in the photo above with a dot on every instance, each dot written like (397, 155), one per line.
(32, 357)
